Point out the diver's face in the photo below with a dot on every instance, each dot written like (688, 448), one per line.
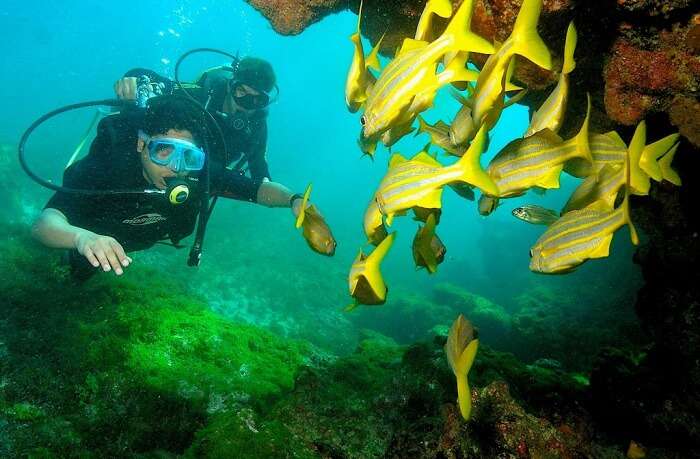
(240, 91)
(155, 173)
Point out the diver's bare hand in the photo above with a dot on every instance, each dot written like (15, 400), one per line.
(125, 88)
(102, 251)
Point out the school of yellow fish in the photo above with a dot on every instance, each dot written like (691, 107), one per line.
(391, 100)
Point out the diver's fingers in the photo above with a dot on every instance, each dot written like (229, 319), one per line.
(102, 258)
(113, 260)
(91, 258)
(121, 254)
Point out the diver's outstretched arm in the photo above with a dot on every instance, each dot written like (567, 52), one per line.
(53, 230)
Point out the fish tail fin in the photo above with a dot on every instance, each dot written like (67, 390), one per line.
(636, 144)
(456, 71)
(569, 49)
(372, 60)
(351, 307)
(302, 212)
(528, 42)
(462, 367)
(667, 172)
(470, 164)
(422, 126)
(460, 28)
(648, 162)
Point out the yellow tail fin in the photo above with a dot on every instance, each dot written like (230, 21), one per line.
(583, 149)
(470, 164)
(648, 162)
(665, 164)
(460, 28)
(527, 42)
(569, 48)
(639, 180)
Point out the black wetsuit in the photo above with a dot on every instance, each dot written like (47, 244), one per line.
(245, 134)
(136, 221)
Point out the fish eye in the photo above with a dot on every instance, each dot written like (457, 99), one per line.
(363, 120)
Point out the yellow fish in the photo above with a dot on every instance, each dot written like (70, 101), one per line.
(536, 161)
(360, 79)
(608, 148)
(439, 134)
(493, 78)
(373, 224)
(603, 186)
(418, 182)
(365, 280)
(586, 233)
(408, 84)
(460, 348)
(428, 249)
(551, 114)
(442, 8)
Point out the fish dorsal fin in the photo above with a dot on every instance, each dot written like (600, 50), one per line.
(441, 125)
(425, 158)
(409, 44)
(395, 159)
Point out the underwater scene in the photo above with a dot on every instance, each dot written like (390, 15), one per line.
(350, 229)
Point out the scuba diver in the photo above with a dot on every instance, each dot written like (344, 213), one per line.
(162, 150)
(237, 96)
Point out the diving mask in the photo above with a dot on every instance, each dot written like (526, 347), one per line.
(178, 154)
(247, 100)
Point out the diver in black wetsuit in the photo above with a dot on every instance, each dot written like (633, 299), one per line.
(135, 150)
(237, 96)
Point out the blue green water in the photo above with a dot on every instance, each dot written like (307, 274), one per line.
(55, 54)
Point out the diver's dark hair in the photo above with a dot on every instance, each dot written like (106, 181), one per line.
(174, 112)
(256, 73)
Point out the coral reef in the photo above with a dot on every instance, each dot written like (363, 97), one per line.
(639, 58)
